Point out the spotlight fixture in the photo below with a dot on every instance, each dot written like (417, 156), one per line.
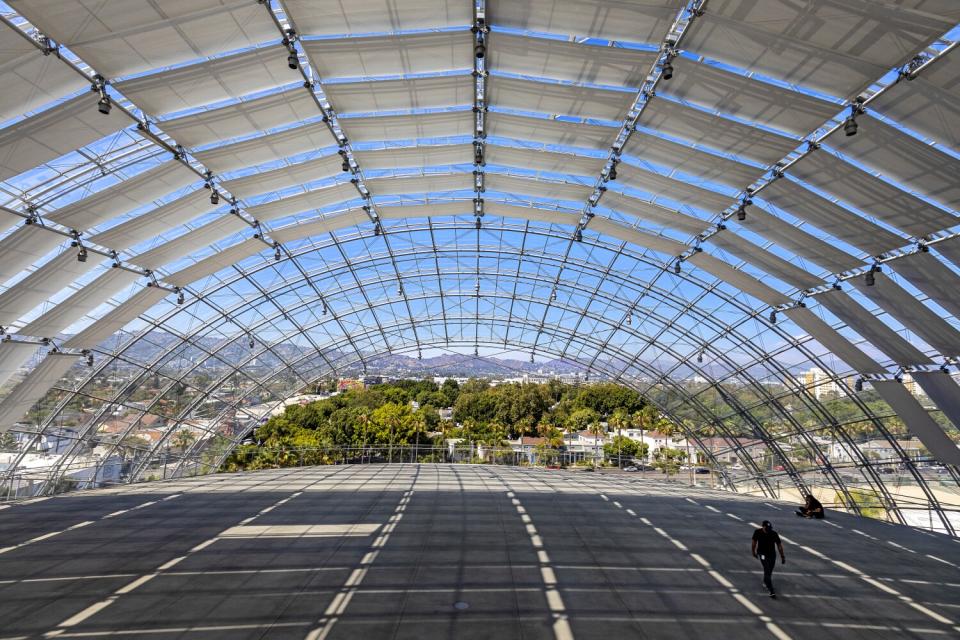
(478, 155)
(214, 197)
(478, 224)
(180, 297)
(773, 317)
(531, 356)
(667, 70)
(850, 124)
(858, 385)
(476, 352)
(292, 61)
(553, 295)
(578, 235)
(868, 277)
(676, 267)
(629, 319)
(613, 173)
(276, 253)
(250, 342)
(700, 358)
(82, 254)
(480, 49)
(104, 104)
(89, 359)
(324, 312)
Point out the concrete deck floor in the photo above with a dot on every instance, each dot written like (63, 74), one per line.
(449, 551)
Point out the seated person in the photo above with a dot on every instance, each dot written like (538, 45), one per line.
(812, 508)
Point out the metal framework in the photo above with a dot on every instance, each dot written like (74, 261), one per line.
(424, 255)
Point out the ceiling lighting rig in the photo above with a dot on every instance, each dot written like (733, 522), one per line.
(480, 32)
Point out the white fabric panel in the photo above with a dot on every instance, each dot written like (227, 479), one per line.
(950, 249)
(25, 246)
(242, 118)
(558, 99)
(933, 277)
(550, 131)
(403, 94)
(918, 420)
(191, 241)
(13, 355)
(943, 390)
(929, 104)
(650, 212)
(901, 157)
(153, 223)
(633, 21)
(524, 186)
(120, 37)
(665, 187)
(80, 303)
(798, 241)
(550, 216)
(218, 261)
(872, 195)
(833, 341)
(853, 42)
(549, 161)
(328, 17)
(211, 81)
(738, 279)
(42, 284)
(765, 261)
(420, 156)
(277, 179)
(428, 183)
(29, 78)
(566, 60)
(33, 387)
(830, 217)
(308, 201)
(8, 219)
(606, 226)
(55, 132)
(266, 148)
(715, 132)
(733, 94)
(707, 166)
(429, 210)
(391, 55)
(119, 198)
(117, 318)
(872, 329)
(354, 217)
(913, 314)
(408, 127)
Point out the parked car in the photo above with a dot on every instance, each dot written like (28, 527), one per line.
(631, 469)
(701, 470)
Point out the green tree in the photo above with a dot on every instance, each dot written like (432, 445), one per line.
(8, 441)
(622, 448)
(182, 440)
(669, 460)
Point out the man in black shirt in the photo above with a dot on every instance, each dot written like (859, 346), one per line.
(811, 509)
(765, 545)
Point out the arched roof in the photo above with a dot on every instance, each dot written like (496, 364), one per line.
(662, 191)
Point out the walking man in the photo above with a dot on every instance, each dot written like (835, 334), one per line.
(765, 545)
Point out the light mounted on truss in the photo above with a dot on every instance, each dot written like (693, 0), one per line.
(99, 85)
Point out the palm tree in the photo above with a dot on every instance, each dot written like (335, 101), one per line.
(596, 428)
(183, 439)
(618, 420)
